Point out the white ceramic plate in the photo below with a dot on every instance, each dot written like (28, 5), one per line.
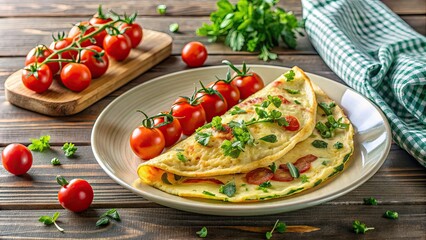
(111, 132)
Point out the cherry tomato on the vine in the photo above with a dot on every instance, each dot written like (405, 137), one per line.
(246, 81)
(117, 46)
(37, 78)
(76, 195)
(76, 76)
(97, 62)
(134, 32)
(80, 27)
(99, 19)
(146, 142)
(229, 92)
(194, 54)
(16, 158)
(190, 114)
(39, 54)
(171, 131)
(213, 103)
(62, 43)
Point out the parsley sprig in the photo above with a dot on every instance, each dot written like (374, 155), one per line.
(327, 129)
(69, 149)
(202, 233)
(39, 145)
(360, 227)
(105, 218)
(279, 226)
(48, 220)
(252, 26)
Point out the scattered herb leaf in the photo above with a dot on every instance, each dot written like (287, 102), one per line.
(174, 27)
(360, 227)
(391, 214)
(297, 102)
(47, 220)
(279, 226)
(217, 123)
(69, 149)
(273, 167)
(370, 201)
(304, 178)
(202, 233)
(105, 218)
(161, 9)
(266, 184)
(276, 101)
(289, 75)
(39, 145)
(55, 161)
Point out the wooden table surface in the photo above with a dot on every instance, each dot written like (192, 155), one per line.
(399, 185)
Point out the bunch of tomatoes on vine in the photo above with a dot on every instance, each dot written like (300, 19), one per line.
(82, 54)
(189, 113)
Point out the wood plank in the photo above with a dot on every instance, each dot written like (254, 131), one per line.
(59, 101)
(10, 8)
(164, 223)
(38, 189)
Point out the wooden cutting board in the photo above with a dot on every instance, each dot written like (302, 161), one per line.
(59, 101)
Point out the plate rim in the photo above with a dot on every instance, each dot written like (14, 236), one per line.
(211, 209)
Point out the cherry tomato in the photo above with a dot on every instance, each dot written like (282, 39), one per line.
(76, 76)
(212, 104)
(118, 47)
(134, 32)
(146, 142)
(80, 27)
(259, 176)
(39, 54)
(96, 62)
(194, 54)
(76, 196)
(293, 123)
(171, 131)
(229, 92)
(247, 85)
(247, 82)
(37, 78)
(99, 19)
(281, 175)
(203, 180)
(63, 43)
(190, 116)
(16, 158)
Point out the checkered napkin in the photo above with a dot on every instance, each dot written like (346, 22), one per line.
(379, 55)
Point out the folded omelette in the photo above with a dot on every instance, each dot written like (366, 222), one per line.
(244, 154)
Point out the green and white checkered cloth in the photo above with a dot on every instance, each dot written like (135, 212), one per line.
(379, 55)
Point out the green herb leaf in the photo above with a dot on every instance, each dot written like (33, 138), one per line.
(391, 214)
(370, 201)
(273, 167)
(319, 144)
(297, 102)
(209, 193)
(228, 189)
(272, 138)
(39, 145)
(202, 233)
(293, 170)
(161, 9)
(47, 220)
(338, 145)
(360, 227)
(55, 161)
(327, 108)
(69, 149)
(236, 110)
(276, 101)
(289, 75)
(268, 235)
(266, 184)
(102, 221)
(174, 27)
(279, 226)
(304, 178)
(292, 91)
(181, 157)
(203, 138)
(217, 123)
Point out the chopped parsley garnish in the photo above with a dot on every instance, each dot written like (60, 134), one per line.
(217, 123)
(289, 75)
(319, 144)
(279, 226)
(209, 193)
(292, 91)
(360, 227)
(203, 138)
(293, 170)
(236, 110)
(273, 167)
(228, 189)
(338, 145)
(181, 157)
(304, 178)
(327, 129)
(272, 138)
(39, 145)
(370, 201)
(297, 102)
(48, 220)
(55, 161)
(327, 108)
(242, 137)
(276, 101)
(266, 184)
(391, 214)
(232, 149)
(105, 218)
(202, 233)
(325, 163)
(69, 149)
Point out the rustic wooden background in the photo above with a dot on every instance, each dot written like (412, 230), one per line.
(399, 185)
